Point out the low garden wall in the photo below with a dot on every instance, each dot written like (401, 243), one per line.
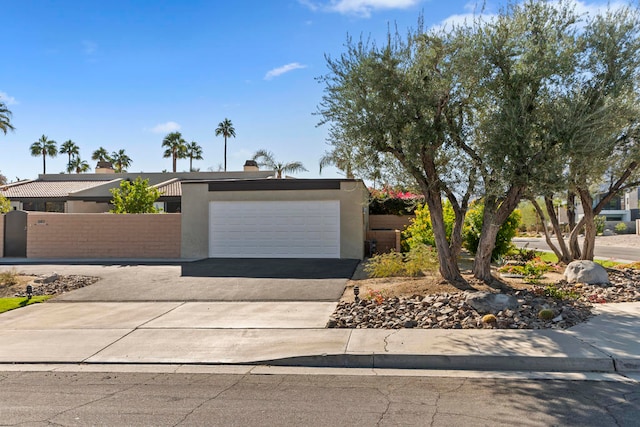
(386, 230)
(102, 235)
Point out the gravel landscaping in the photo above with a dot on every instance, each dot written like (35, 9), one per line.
(50, 284)
(569, 304)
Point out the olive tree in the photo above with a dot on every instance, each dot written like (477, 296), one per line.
(403, 100)
(595, 119)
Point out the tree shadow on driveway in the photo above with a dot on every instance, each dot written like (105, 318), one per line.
(272, 268)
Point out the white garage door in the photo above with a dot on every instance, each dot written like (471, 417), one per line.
(293, 229)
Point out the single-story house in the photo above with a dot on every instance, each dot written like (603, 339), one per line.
(90, 192)
(274, 218)
(244, 214)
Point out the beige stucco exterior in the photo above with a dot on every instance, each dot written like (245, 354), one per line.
(352, 195)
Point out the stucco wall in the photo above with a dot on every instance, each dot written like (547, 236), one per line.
(51, 235)
(195, 213)
(79, 206)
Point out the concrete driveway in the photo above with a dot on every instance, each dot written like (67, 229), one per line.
(205, 280)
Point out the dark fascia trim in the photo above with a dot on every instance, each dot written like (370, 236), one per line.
(276, 184)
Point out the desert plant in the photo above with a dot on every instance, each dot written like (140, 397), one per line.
(555, 292)
(385, 265)
(489, 319)
(411, 263)
(419, 259)
(375, 295)
(8, 278)
(546, 314)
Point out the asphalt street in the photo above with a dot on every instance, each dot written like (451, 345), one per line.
(607, 252)
(173, 399)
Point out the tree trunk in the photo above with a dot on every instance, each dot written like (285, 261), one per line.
(590, 231)
(482, 261)
(561, 253)
(225, 153)
(495, 214)
(447, 258)
(574, 247)
(564, 255)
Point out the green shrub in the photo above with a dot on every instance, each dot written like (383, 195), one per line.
(473, 228)
(5, 204)
(599, 221)
(393, 264)
(134, 197)
(621, 228)
(555, 292)
(420, 231)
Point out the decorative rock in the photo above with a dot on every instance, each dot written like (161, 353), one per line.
(47, 279)
(584, 271)
(486, 302)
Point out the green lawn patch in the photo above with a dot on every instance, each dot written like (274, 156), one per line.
(7, 304)
(552, 258)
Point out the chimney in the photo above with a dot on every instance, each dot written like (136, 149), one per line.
(250, 165)
(105, 167)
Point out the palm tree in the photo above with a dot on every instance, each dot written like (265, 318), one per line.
(44, 147)
(79, 165)
(225, 128)
(194, 152)
(5, 118)
(341, 157)
(265, 158)
(120, 160)
(176, 148)
(71, 149)
(101, 155)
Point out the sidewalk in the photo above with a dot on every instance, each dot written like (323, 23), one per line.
(293, 334)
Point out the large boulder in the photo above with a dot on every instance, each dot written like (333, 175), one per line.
(486, 302)
(584, 271)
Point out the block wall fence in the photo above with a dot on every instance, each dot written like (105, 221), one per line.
(67, 235)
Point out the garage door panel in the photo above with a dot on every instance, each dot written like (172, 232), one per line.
(291, 229)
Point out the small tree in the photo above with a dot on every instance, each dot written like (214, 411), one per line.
(134, 197)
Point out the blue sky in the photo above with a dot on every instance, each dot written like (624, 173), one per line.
(122, 74)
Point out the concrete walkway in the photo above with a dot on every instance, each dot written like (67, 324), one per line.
(293, 334)
(146, 313)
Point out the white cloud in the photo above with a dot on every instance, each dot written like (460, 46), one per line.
(166, 127)
(361, 8)
(284, 69)
(8, 100)
(89, 47)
